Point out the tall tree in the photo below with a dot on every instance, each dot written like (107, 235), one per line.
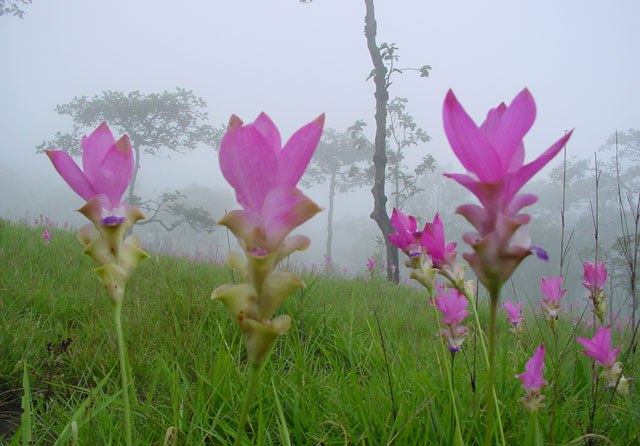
(383, 58)
(171, 121)
(338, 161)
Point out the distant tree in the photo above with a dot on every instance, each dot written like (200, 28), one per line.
(338, 161)
(173, 121)
(170, 211)
(13, 7)
(383, 58)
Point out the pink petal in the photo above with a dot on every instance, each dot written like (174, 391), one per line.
(285, 208)
(297, 152)
(519, 202)
(525, 173)
(248, 163)
(515, 123)
(492, 122)
(114, 174)
(476, 215)
(268, 129)
(469, 143)
(71, 173)
(95, 148)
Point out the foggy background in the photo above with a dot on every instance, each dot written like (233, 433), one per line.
(295, 61)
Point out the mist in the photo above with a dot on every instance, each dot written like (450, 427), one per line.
(295, 61)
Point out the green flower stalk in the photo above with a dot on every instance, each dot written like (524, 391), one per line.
(108, 167)
(264, 175)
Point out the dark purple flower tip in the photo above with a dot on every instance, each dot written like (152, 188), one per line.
(454, 348)
(540, 252)
(112, 220)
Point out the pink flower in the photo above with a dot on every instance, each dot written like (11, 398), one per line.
(407, 236)
(46, 236)
(433, 239)
(264, 175)
(371, 264)
(514, 315)
(533, 381)
(493, 155)
(552, 291)
(599, 347)
(453, 306)
(595, 275)
(108, 167)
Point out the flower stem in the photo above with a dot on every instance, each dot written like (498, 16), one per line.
(124, 375)
(254, 375)
(491, 398)
(464, 290)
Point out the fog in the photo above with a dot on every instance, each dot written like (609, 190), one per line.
(295, 61)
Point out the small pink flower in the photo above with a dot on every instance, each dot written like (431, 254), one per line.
(433, 239)
(46, 236)
(108, 168)
(264, 175)
(514, 315)
(407, 236)
(453, 306)
(599, 347)
(552, 291)
(533, 381)
(493, 155)
(595, 275)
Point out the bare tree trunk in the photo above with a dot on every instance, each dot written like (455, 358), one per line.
(332, 194)
(379, 214)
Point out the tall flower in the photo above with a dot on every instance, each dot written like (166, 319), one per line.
(533, 381)
(106, 174)
(108, 167)
(595, 276)
(552, 292)
(514, 316)
(599, 348)
(264, 175)
(453, 306)
(493, 155)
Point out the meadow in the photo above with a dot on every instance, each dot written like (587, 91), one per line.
(361, 365)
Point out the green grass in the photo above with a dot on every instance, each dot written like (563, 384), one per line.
(325, 384)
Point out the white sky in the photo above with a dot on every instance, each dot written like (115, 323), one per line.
(579, 58)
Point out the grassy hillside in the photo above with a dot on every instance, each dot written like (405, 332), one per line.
(361, 365)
